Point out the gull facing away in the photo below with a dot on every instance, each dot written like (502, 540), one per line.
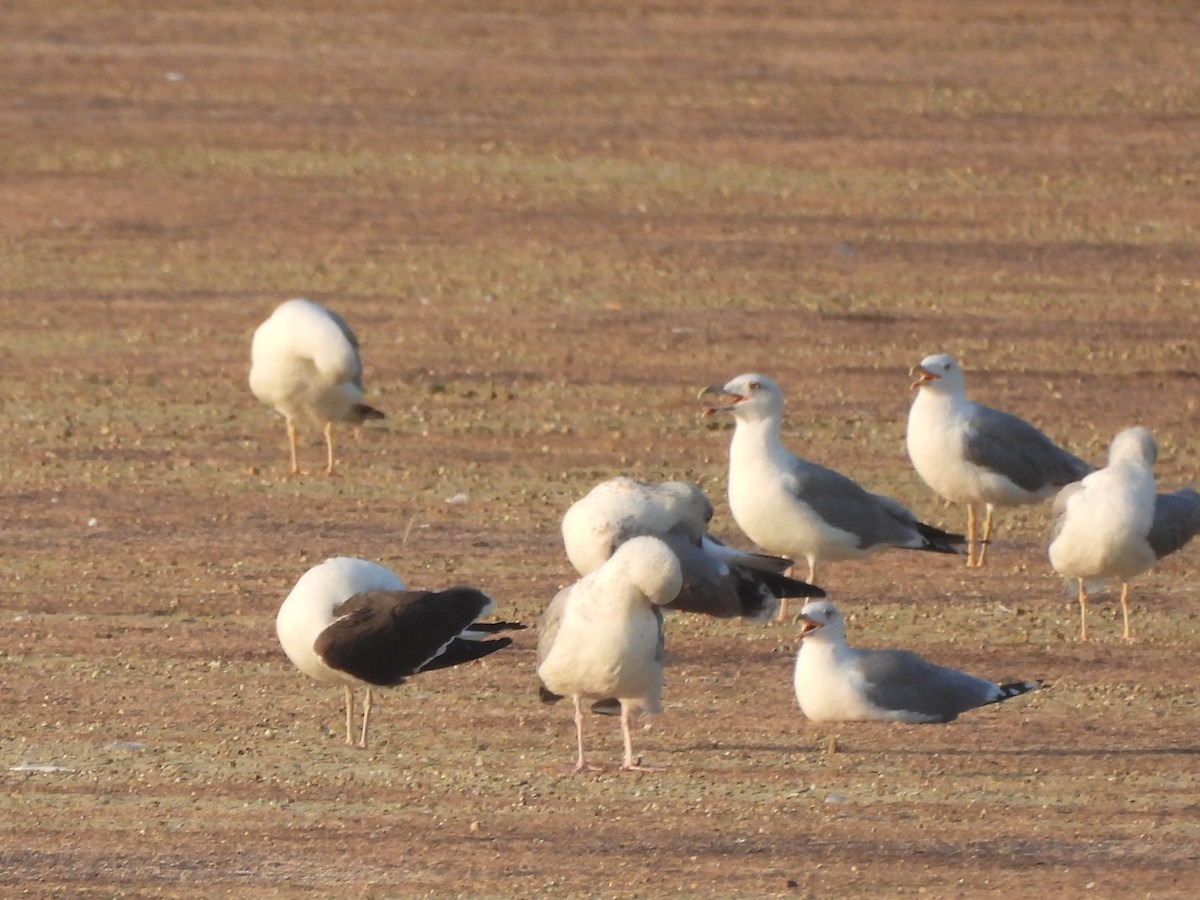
(304, 362)
(718, 580)
(351, 622)
(1112, 524)
(602, 637)
(790, 506)
(973, 454)
(837, 683)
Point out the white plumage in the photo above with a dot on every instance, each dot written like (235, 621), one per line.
(795, 508)
(973, 454)
(305, 363)
(351, 622)
(602, 636)
(718, 580)
(837, 683)
(1104, 521)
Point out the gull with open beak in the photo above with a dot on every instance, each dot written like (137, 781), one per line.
(795, 508)
(837, 683)
(973, 454)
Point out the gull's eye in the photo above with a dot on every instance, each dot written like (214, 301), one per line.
(755, 386)
(946, 367)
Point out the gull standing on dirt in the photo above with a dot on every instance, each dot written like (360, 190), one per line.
(1112, 524)
(973, 454)
(790, 506)
(304, 362)
(837, 683)
(602, 637)
(351, 622)
(718, 580)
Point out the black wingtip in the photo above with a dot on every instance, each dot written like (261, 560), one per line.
(493, 627)
(782, 586)
(461, 650)
(940, 541)
(362, 412)
(1016, 688)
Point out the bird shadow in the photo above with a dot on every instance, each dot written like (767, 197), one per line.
(1063, 752)
(845, 747)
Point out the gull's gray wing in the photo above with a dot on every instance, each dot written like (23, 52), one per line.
(901, 681)
(1059, 509)
(872, 518)
(549, 622)
(726, 583)
(349, 335)
(1011, 447)
(1176, 521)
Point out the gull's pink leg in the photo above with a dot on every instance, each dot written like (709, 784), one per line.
(626, 723)
(1082, 611)
(329, 448)
(291, 432)
(1127, 636)
(366, 718)
(349, 716)
(580, 762)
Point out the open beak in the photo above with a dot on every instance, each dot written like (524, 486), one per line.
(718, 390)
(921, 376)
(807, 626)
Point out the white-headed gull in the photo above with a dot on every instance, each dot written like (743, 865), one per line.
(837, 683)
(602, 636)
(973, 454)
(796, 508)
(1112, 524)
(351, 622)
(718, 580)
(304, 362)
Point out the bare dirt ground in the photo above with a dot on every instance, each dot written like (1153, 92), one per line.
(551, 224)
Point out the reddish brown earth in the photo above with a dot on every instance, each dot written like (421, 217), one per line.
(551, 224)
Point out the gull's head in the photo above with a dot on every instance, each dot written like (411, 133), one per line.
(820, 621)
(651, 566)
(938, 372)
(1134, 444)
(749, 396)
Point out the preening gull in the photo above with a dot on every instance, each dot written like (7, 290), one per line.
(837, 683)
(602, 636)
(718, 580)
(973, 454)
(304, 362)
(351, 622)
(1112, 524)
(790, 506)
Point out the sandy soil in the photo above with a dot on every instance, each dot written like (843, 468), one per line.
(551, 224)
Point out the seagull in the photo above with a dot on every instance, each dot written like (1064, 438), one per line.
(351, 622)
(790, 506)
(973, 454)
(1112, 524)
(602, 637)
(836, 683)
(304, 362)
(718, 580)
